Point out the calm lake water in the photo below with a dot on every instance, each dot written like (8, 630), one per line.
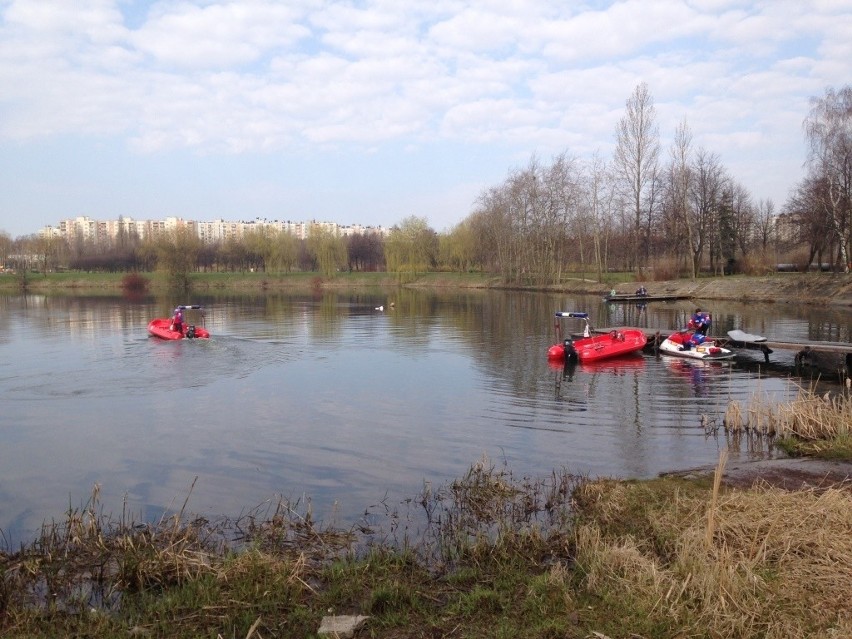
(328, 399)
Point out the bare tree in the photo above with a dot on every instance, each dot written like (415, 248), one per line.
(492, 222)
(678, 219)
(636, 160)
(828, 129)
(765, 224)
(556, 195)
(705, 194)
(745, 217)
(810, 218)
(365, 251)
(595, 212)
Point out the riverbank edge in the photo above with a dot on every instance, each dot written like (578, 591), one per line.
(834, 289)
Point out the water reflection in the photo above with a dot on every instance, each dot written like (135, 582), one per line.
(321, 396)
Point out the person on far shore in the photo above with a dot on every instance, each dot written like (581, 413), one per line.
(641, 290)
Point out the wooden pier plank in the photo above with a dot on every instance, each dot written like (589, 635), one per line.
(788, 345)
(641, 299)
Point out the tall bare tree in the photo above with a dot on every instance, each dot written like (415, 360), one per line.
(828, 129)
(810, 218)
(595, 211)
(764, 226)
(745, 217)
(492, 222)
(636, 161)
(560, 204)
(706, 196)
(678, 220)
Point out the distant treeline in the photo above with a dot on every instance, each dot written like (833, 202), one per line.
(633, 212)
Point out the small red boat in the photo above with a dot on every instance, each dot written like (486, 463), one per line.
(162, 327)
(591, 348)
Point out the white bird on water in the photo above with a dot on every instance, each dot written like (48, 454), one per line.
(380, 308)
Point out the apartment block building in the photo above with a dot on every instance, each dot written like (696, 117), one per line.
(88, 230)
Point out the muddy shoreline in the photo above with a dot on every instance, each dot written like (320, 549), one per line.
(788, 473)
(781, 288)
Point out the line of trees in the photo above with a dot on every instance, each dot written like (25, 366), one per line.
(658, 212)
(666, 214)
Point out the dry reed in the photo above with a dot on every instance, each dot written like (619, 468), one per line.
(809, 416)
(743, 563)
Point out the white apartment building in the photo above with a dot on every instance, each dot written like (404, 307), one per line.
(85, 229)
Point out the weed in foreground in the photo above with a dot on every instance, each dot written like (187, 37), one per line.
(490, 554)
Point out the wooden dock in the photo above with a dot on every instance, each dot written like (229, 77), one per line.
(802, 348)
(631, 298)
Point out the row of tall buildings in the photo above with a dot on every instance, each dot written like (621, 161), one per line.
(103, 232)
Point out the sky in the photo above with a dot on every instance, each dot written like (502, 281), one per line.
(371, 111)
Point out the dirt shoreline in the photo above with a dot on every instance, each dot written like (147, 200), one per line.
(810, 288)
(804, 288)
(788, 473)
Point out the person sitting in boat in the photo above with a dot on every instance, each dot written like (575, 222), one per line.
(641, 290)
(177, 320)
(699, 322)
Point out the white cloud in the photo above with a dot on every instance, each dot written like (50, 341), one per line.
(216, 36)
(229, 79)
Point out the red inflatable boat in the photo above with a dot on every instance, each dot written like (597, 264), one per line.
(162, 327)
(591, 348)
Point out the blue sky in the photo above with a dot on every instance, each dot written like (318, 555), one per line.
(369, 111)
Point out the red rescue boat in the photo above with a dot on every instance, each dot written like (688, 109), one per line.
(162, 327)
(591, 348)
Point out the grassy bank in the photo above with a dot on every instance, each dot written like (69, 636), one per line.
(488, 555)
(807, 288)
(259, 281)
(242, 281)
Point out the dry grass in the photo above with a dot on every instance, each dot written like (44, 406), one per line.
(809, 417)
(758, 563)
(490, 554)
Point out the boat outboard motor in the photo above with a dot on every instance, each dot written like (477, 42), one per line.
(570, 352)
(190, 331)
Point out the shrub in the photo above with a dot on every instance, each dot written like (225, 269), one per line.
(664, 268)
(134, 283)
